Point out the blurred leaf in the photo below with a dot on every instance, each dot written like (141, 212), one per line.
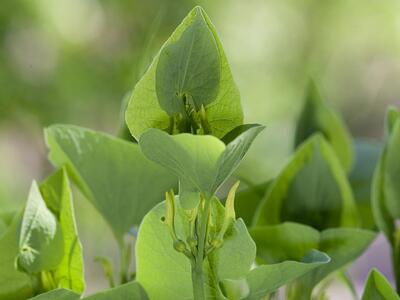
(188, 67)
(247, 201)
(318, 117)
(132, 291)
(113, 174)
(107, 269)
(202, 163)
(378, 288)
(58, 197)
(367, 156)
(289, 241)
(312, 189)
(166, 273)
(223, 114)
(59, 294)
(41, 246)
(14, 284)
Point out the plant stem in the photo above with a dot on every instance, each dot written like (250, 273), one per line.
(197, 265)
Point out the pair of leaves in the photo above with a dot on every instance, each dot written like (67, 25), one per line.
(112, 173)
(48, 239)
(378, 288)
(315, 117)
(312, 189)
(291, 241)
(191, 63)
(132, 291)
(166, 274)
(202, 163)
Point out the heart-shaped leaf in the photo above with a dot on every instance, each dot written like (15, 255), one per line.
(318, 117)
(41, 246)
(190, 69)
(166, 273)
(58, 197)
(202, 163)
(378, 288)
(312, 189)
(291, 241)
(113, 174)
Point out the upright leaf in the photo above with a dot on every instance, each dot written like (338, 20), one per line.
(378, 288)
(318, 117)
(202, 163)
(58, 197)
(113, 174)
(312, 189)
(191, 63)
(40, 240)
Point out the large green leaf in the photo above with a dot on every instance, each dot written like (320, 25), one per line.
(291, 241)
(202, 163)
(378, 288)
(58, 197)
(189, 68)
(112, 173)
(318, 117)
(367, 156)
(312, 189)
(41, 241)
(166, 273)
(204, 82)
(14, 284)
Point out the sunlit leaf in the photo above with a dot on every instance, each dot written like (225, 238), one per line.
(378, 288)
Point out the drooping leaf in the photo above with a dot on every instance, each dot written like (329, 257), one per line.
(291, 241)
(113, 174)
(166, 273)
(378, 288)
(267, 278)
(318, 117)
(14, 284)
(218, 91)
(202, 163)
(132, 291)
(312, 189)
(41, 245)
(367, 155)
(59, 294)
(58, 197)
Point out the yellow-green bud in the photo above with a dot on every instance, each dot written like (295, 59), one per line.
(179, 245)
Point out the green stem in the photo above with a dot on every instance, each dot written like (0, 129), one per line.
(197, 265)
(396, 259)
(125, 261)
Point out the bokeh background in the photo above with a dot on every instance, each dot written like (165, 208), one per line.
(72, 61)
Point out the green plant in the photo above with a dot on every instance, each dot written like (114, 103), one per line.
(199, 237)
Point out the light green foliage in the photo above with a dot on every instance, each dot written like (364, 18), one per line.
(131, 291)
(318, 117)
(202, 74)
(166, 273)
(14, 284)
(112, 173)
(378, 288)
(202, 163)
(312, 189)
(291, 241)
(58, 197)
(41, 245)
(360, 178)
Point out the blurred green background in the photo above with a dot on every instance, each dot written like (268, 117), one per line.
(72, 61)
